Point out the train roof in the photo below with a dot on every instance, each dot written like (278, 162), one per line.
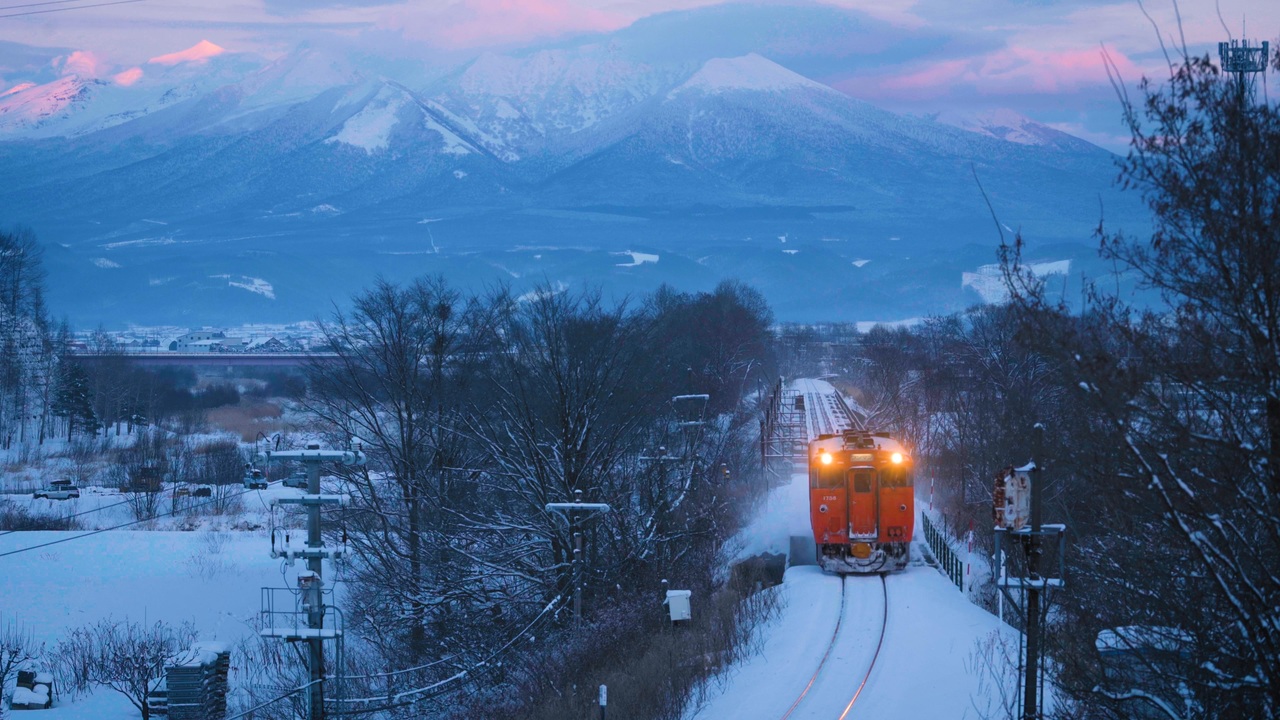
(857, 439)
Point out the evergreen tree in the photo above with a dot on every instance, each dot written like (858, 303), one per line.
(72, 398)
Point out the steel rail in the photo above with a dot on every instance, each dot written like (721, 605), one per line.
(876, 656)
(835, 634)
(855, 420)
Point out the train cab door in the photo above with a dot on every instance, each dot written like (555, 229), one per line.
(862, 503)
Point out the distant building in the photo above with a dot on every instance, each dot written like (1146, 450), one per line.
(267, 345)
(207, 341)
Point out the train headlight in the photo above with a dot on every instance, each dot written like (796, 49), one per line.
(896, 458)
(825, 458)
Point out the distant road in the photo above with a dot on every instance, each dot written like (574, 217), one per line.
(166, 358)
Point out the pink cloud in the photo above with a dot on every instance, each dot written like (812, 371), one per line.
(475, 23)
(82, 63)
(198, 53)
(128, 77)
(1010, 70)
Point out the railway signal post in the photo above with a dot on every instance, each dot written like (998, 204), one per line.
(1025, 578)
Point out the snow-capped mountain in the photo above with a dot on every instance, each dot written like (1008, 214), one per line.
(316, 170)
(531, 105)
(750, 72)
(27, 107)
(1010, 126)
(88, 99)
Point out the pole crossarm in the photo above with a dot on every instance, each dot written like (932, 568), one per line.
(570, 507)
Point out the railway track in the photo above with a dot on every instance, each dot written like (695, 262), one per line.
(818, 676)
(855, 419)
(828, 412)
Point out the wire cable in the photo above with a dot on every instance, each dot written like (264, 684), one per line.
(38, 4)
(398, 698)
(74, 7)
(128, 524)
(399, 672)
(173, 491)
(291, 693)
(79, 514)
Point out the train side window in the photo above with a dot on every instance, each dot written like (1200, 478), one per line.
(861, 480)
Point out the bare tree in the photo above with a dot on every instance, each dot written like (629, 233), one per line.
(124, 656)
(568, 408)
(405, 355)
(140, 471)
(17, 648)
(218, 465)
(1192, 399)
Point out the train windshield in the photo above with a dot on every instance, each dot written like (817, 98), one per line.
(895, 476)
(827, 477)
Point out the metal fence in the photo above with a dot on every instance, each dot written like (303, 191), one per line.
(948, 560)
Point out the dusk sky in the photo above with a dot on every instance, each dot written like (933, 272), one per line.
(1042, 58)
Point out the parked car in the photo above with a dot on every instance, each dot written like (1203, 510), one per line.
(57, 492)
(297, 480)
(254, 479)
(202, 491)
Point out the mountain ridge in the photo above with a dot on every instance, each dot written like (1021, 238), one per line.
(315, 173)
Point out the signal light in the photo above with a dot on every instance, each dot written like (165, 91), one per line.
(896, 458)
(825, 458)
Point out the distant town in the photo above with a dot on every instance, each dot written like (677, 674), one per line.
(301, 337)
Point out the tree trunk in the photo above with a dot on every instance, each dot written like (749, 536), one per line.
(418, 631)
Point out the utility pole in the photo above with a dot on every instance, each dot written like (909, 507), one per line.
(1030, 706)
(310, 598)
(573, 512)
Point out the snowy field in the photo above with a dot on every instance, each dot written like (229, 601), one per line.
(209, 577)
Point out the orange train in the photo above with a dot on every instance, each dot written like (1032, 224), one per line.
(861, 502)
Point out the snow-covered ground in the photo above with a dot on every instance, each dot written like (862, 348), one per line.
(209, 578)
(925, 668)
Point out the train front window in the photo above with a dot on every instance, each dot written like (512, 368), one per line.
(826, 476)
(894, 476)
(861, 480)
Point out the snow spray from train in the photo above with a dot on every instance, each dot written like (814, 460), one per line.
(861, 502)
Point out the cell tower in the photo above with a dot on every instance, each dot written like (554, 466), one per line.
(1245, 62)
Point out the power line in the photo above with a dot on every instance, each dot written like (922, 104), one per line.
(79, 514)
(38, 4)
(399, 672)
(292, 692)
(74, 7)
(398, 699)
(134, 522)
(92, 510)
